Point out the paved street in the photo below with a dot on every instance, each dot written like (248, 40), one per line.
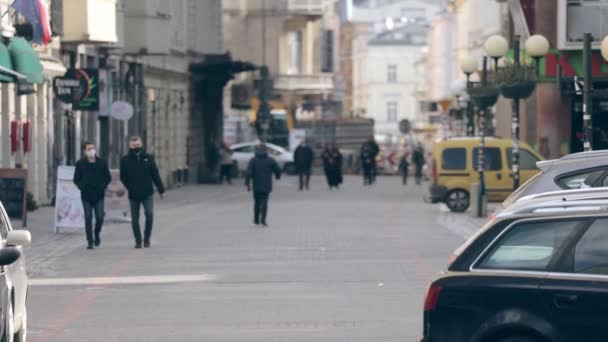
(348, 265)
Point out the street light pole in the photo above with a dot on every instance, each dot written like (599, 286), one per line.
(482, 150)
(515, 120)
(587, 93)
(470, 118)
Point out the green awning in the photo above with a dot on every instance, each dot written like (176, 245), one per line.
(5, 64)
(25, 60)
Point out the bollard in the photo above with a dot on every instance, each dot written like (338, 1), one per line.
(478, 205)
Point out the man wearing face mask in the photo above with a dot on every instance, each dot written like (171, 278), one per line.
(92, 177)
(139, 173)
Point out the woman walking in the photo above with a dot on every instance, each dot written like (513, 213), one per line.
(404, 166)
(332, 164)
(367, 163)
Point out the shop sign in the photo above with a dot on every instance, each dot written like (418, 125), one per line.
(571, 63)
(79, 87)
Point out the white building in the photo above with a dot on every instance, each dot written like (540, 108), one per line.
(385, 78)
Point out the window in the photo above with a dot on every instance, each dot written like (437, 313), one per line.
(391, 111)
(493, 161)
(328, 51)
(454, 159)
(530, 246)
(591, 254)
(584, 178)
(527, 161)
(391, 75)
(294, 46)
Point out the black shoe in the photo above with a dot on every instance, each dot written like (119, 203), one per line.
(138, 245)
(90, 246)
(97, 242)
(146, 244)
(264, 224)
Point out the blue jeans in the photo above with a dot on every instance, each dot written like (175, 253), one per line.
(89, 209)
(148, 204)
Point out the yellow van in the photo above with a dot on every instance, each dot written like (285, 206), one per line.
(454, 169)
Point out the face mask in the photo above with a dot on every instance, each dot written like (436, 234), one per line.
(91, 153)
(136, 149)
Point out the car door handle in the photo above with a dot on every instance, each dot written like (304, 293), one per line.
(565, 300)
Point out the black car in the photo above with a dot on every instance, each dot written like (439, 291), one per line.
(540, 277)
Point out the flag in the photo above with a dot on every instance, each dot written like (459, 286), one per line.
(35, 12)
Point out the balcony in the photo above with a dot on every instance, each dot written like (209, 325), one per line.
(312, 8)
(305, 84)
(89, 22)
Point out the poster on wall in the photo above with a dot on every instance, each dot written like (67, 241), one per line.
(68, 206)
(117, 200)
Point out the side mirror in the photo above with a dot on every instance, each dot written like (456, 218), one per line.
(21, 238)
(9, 255)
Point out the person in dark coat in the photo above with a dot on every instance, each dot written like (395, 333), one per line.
(260, 170)
(404, 166)
(367, 164)
(374, 151)
(419, 161)
(304, 157)
(332, 164)
(92, 177)
(139, 173)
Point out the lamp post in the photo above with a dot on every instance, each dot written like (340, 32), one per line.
(469, 65)
(497, 47)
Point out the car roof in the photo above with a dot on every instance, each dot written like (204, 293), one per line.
(474, 141)
(571, 162)
(567, 200)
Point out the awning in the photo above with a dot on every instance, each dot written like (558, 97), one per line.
(25, 60)
(6, 65)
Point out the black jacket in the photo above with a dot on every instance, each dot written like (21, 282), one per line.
(92, 179)
(303, 158)
(260, 170)
(138, 173)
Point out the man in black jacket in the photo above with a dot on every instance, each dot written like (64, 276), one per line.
(260, 170)
(92, 177)
(138, 172)
(303, 157)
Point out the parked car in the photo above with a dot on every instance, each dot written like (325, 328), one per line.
(13, 280)
(574, 171)
(538, 274)
(454, 169)
(245, 151)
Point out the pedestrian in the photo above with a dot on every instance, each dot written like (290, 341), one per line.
(92, 177)
(227, 164)
(404, 166)
(374, 150)
(332, 164)
(367, 164)
(260, 170)
(419, 160)
(139, 173)
(304, 157)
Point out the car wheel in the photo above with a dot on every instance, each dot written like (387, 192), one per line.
(458, 200)
(21, 336)
(290, 169)
(9, 328)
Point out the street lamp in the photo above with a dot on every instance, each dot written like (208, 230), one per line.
(469, 65)
(496, 47)
(537, 47)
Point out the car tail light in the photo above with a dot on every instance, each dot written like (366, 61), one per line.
(432, 297)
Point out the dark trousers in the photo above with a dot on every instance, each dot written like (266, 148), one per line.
(368, 177)
(148, 205)
(226, 173)
(89, 209)
(304, 179)
(404, 175)
(260, 207)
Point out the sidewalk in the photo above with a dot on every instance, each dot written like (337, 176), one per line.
(461, 224)
(48, 246)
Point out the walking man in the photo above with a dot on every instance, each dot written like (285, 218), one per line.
(404, 166)
(260, 171)
(138, 172)
(374, 150)
(92, 177)
(304, 157)
(419, 161)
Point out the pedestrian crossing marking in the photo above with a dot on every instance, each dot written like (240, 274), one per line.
(127, 280)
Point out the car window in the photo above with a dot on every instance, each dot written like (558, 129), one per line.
(529, 246)
(454, 159)
(591, 254)
(244, 149)
(493, 162)
(577, 180)
(527, 161)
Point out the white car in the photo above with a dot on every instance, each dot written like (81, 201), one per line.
(13, 281)
(245, 151)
